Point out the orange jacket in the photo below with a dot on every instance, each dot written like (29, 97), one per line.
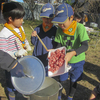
(85, 18)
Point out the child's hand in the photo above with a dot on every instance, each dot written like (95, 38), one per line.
(20, 53)
(34, 33)
(69, 55)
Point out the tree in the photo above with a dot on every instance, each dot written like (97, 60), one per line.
(76, 4)
(31, 5)
(92, 7)
(69, 2)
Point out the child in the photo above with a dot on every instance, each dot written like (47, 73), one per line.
(74, 37)
(78, 16)
(95, 92)
(13, 13)
(85, 19)
(46, 32)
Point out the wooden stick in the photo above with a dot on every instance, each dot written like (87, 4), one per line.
(40, 40)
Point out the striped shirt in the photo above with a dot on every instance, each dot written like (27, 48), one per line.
(7, 41)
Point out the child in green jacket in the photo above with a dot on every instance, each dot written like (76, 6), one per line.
(74, 37)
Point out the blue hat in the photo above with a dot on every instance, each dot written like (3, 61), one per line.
(47, 11)
(63, 11)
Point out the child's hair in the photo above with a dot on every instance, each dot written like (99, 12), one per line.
(78, 15)
(13, 10)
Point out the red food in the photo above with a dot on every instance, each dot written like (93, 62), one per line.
(56, 60)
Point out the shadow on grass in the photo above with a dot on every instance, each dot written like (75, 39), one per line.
(92, 69)
(82, 92)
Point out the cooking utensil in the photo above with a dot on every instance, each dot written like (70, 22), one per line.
(40, 40)
(48, 91)
(62, 69)
(34, 75)
(29, 76)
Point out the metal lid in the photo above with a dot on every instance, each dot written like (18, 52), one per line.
(32, 67)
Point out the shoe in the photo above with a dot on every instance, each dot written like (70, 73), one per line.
(11, 97)
(59, 97)
(70, 98)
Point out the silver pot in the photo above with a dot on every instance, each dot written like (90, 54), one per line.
(48, 91)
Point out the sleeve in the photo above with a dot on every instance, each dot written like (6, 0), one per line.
(82, 48)
(57, 45)
(57, 37)
(4, 46)
(82, 33)
(34, 39)
(6, 61)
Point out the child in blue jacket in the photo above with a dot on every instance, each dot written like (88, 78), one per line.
(46, 31)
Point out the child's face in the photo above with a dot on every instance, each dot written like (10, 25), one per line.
(78, 19)
(47, 21)
(16, 22)
(66, 24)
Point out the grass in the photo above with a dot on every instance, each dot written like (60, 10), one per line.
(91, 74)
(28, 30)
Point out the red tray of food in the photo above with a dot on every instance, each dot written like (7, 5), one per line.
(56, 62)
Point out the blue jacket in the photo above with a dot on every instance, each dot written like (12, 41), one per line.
(48, 40)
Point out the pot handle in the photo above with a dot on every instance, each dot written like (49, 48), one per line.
(28, 97)
(60, 86)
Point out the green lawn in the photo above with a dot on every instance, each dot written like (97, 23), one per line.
(28, 30)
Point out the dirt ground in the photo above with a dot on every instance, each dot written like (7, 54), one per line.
(91, 77)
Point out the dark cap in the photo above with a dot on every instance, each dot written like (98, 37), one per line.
(63, 11)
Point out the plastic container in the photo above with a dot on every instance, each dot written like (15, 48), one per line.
(63, 69)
